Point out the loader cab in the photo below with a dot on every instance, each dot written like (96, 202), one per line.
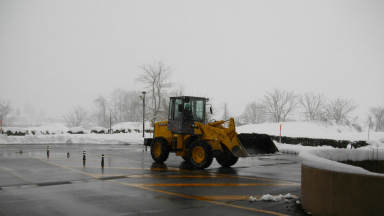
(183, 112)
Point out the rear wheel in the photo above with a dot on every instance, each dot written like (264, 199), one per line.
(200, 154)
(227, 159)
(159, 149)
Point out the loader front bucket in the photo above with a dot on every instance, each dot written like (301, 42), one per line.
(255, 144)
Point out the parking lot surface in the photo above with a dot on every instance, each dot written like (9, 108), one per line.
(130, 183)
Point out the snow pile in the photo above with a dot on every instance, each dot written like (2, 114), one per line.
(269, 197)
(374, 144)
(326, 159)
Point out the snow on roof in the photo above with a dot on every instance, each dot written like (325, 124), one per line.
(326, 159)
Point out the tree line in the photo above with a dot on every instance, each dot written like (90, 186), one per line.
(278, 104)
(275, 106)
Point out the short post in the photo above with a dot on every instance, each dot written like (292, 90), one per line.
(280, 133)
(102, 160)
(68, 155)
(48, 151)
(83, 155)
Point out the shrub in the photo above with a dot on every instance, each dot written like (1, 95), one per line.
(318, 142)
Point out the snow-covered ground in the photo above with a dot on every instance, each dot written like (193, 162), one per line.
(323, 157)
(311, 130)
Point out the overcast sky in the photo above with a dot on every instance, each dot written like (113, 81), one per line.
(56, 54)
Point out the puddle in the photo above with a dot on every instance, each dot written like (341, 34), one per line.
(276, 164)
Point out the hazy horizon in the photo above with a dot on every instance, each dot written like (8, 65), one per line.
(57, 54)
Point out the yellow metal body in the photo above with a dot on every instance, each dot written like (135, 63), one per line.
(213, 133)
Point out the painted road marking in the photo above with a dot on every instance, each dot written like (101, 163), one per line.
(200, 198)
(210, 201)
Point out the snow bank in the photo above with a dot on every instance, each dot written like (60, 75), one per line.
(296, 149)
(310, 130)
(14, 129)
(55, 128)
(326, 159)
(123, 138)
(130, 125)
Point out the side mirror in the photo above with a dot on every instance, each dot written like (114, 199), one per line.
(210, 110)
(181, 108)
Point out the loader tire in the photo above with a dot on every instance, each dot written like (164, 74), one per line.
(226, 159)
(159, 149)
(186, 158)
(200, 154)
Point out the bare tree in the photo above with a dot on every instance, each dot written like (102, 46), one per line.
(76, 116)
(279, 103)
(155, 76)
(313, 104)
(116, 104)
(177, 91)
(5, 110)
(378, 117)
(226, 114)
(339, 109)
(254, 113)
(101, 115)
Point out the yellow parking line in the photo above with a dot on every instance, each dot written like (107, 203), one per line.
(167, 192)
(211, 184)
(210, 201)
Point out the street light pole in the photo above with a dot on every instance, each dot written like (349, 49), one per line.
(143, 111)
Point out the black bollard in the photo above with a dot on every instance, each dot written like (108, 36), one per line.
(84, 156)
(68, 155)
(102, 160)
(48, 151)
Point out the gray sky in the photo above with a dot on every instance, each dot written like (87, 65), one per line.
(56, 54)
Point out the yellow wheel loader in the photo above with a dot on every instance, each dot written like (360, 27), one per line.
(187, 133)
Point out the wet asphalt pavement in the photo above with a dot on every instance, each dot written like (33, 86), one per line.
(132, 184)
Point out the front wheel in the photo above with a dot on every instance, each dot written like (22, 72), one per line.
(227, 159)
(159, 150)
(200, 154)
